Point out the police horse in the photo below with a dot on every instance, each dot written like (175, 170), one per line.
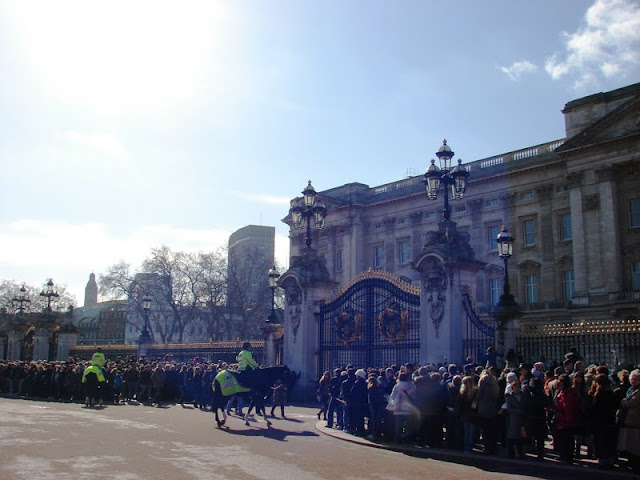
(226, 384)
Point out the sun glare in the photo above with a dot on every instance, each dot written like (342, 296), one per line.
(120, 57)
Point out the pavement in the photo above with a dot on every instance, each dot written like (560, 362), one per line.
(550, 467)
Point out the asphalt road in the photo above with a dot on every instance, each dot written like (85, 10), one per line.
(64, 441)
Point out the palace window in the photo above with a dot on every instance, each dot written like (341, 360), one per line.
(377, 256)
(634, 213)
(339, 260)
(566, 233)
(492, 233)
(568, 284)
(526, 196)
(492, 203)
(531, 288)
(403, 252)
(635, 276)
(529, 232)
(495, 290)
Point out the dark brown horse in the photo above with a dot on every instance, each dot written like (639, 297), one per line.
(260, 385)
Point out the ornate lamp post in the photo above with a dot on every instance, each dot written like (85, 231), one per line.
(310, 208)
(146, 306)
(505, 250)
(507, 308)
(49, 293)
(21, 299)
(273, 276)
(456, 178)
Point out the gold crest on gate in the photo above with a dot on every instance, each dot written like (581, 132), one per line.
(393, 325)
(348, 327)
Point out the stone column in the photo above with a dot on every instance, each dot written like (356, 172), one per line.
(269, 343)
(306, 283)
(574, 182)
(441, 307)
(67, 338)
(144, 342)
(547, 281)
(13, 344)
(609, 230)
(41, 342)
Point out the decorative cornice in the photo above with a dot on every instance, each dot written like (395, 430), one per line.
(415, 217)
(475, 205)
(507, 199)
(607, 174)
(574, 179)
(544, 192)
(389, 223)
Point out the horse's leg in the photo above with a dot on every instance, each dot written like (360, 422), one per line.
(264, 413)
(246, 415)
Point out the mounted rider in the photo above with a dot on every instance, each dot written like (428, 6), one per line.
(93, 379)
(246, 365)
(98, 359)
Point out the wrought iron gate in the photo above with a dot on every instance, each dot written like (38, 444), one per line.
(479, 332)
(374, 321)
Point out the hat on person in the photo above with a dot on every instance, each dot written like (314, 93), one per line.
(361, 373)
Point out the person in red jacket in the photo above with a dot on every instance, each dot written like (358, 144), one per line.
(567, 419)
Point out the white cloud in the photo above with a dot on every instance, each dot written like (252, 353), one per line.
(608, 44)
(268, 199)
(518, 68)
(103, 143)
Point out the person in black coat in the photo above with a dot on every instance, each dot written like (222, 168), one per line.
(536, 404)
(334, 405)
(603, 421)
(359, 403)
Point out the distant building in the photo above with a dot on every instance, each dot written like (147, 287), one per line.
(251, 254)
(99, 323)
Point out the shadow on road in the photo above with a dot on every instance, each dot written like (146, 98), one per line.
(271, 433)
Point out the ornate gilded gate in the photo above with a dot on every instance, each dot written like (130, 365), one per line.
(374, 321)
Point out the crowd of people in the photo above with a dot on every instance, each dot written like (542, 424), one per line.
(126, 380)
(586, 410)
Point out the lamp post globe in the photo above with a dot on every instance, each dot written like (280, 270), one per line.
(446, 177)
(48, 292)
(505, 250)
(273, 275)
(21, 300)
(306, 210)
(146, 306)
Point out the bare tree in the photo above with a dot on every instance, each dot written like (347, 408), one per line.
(179, 274)
(116, 283)
(212, 293)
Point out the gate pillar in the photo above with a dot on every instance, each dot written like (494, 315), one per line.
(306, 284)
(41, 341)
(14, 341)
(67, 338)
(447, 272)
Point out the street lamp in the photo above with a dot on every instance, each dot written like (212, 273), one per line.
(310, 208)
(49, 293)
(146, 306)
(456, 178)
(21, 299)
(505, 250)
(273, 276)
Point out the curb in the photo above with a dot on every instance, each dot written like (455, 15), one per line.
(549, 468)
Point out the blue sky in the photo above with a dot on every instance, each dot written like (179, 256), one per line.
(130, 125)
